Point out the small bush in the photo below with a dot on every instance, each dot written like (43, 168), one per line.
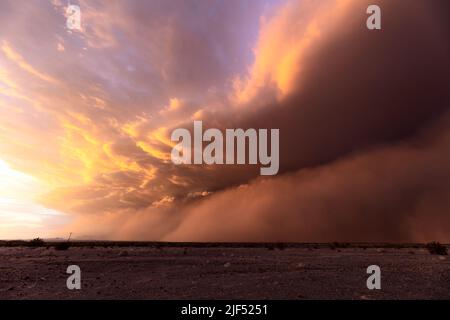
(280, 245)
(38, 242)
(341, 245)
(276, 245)
(62, 246)
(437, 248)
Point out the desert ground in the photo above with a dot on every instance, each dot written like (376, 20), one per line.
(220, 271)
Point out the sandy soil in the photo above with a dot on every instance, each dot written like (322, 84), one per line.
(222, 273)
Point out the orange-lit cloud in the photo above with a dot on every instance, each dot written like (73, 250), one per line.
(20, 61)
(89, 115)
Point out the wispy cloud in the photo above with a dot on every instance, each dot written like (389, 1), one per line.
(15, 57)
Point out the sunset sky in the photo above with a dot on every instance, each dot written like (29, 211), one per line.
(86, 117)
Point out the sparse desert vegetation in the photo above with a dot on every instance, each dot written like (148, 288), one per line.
(62, 246)
(37, 242)
(437, 248)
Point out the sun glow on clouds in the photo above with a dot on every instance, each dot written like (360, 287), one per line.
(20, 215)
(94, 130)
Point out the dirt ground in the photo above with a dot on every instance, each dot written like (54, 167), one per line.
(222, 273)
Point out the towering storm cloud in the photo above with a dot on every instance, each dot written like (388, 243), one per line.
(363, 116)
